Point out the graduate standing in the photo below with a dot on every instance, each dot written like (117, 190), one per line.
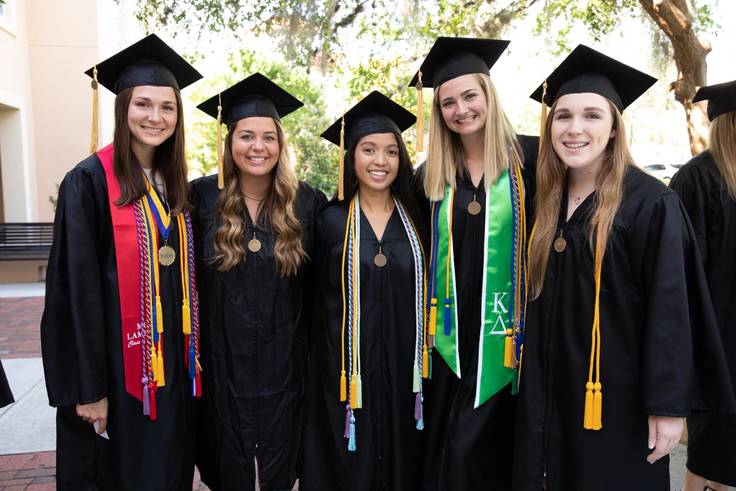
(119, 331)
(364, 412)
(620, 342)
(474, 180)
(254, 235)
(707, 187)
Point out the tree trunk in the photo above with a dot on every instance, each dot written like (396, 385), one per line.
(676, 21)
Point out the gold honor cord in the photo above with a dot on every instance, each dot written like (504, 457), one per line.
(592, 419)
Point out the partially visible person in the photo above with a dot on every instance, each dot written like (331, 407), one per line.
(6, 395)
(707, 188)
(119, 332)
(254, 240)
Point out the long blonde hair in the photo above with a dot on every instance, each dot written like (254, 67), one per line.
(551, 183)
(723, 148)
(277, 212)
(445, 152)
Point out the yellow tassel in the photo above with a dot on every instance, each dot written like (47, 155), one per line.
(543, 115)
(597, 406)
(588, 415)
(353, 393)
(420, 114)
(95, 112)
(161, 373)
(199, 367)
(343, 387)
(186, 318)
(425, 362)
(341, 164)
(508, 350)
(433, 317)
(159, 315)
(154, 363)
(220, 166)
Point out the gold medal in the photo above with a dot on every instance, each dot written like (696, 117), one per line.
(559, 244)
(380, 260)
(254, 245)
(474, 207)
(166, 255)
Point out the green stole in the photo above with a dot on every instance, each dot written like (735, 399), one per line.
(496, 293)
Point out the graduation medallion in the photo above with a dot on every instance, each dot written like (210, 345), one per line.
(166, 255)
(474, 207)
(380, 260)
(559, 244)
(254, 245)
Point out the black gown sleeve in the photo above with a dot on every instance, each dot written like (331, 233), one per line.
(6, 396)
(683, 362)
(692, 190)
(73, 324)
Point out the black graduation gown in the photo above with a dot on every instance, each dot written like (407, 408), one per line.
(6, 396)
(81, 341)
(713, 215)
(389, 447)
(659, 349)
(470, 449)
(254, 327)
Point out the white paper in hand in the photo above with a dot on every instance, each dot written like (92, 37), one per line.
(104, 434)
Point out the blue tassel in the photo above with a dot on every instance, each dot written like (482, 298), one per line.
(419, 411)
(351, 441)
(447, 317)
(192, 361)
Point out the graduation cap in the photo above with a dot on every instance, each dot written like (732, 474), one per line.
(254, 96)
(451, 57)
(721, 98)
(149, 61)
(588, 70)
(375, 113)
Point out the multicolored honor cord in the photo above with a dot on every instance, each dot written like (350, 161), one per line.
(351, 320)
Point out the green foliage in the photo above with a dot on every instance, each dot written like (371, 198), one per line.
(315, 161)
(705, 20)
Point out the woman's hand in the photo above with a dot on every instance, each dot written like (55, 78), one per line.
(664, 434)
(95, 411)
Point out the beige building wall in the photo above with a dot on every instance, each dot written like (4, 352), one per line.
(62, 43)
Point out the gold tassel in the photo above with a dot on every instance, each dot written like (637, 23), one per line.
(588, 415)
(343, 387)
(154, 363)
(597, 406)
(160, 361)
(159, 316)
(543, 115)
(220, 166)
(341, 164)
(433, 317)
(425, 362)
(95, 112)
(508, 350)
(420, 114)
(353, 393)
(186, 317)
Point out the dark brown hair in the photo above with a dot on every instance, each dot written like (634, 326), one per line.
(168, 159)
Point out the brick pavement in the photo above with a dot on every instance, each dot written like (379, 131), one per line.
(19, 327)
(36, 472)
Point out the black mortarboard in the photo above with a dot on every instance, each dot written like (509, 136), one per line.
(150, 61)
(721, 98)
(452, 57)
(375, 113)
(255, 95)
(588, 70)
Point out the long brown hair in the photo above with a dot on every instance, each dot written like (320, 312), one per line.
(723, 148)
(169, 158)
(445, 151)
(277, 212)
(552, 182)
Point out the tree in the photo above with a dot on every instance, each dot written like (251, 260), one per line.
(316, 163)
